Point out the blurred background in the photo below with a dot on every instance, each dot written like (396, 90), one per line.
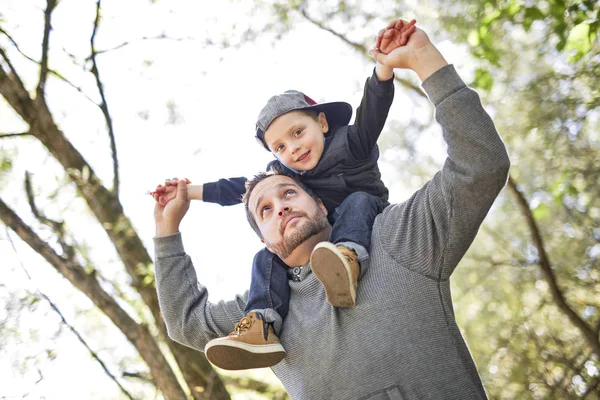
(100, 101)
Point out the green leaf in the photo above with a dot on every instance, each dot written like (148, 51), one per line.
(540, 212)
(578, 42)
(488, 19)
(473, 38)
(483, 79)
(532, 14)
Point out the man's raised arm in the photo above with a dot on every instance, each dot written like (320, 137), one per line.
(430, 232)
(190, 318)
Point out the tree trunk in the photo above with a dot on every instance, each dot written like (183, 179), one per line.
(107, 208)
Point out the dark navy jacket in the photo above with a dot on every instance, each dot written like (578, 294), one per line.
(349, 160)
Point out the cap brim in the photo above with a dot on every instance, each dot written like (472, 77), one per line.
(338, 113)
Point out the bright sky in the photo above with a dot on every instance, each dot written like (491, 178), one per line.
(217, 95)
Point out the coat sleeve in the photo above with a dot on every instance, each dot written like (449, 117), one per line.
(190, 318)
(226, 192)
(431, 231)
(370, 116)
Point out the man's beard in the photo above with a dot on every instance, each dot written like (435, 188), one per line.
(314, 224)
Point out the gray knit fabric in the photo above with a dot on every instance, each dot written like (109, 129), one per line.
(401, 340)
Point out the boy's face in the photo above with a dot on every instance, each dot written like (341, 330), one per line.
(297, 139)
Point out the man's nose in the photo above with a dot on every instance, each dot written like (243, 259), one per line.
(284, 209)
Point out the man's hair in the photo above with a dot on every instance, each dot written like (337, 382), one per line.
(274, 169)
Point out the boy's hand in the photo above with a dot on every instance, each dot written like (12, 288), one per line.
(164, 194)
(419, 55)
(396, 34)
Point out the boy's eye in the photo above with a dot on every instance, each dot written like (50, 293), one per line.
(279, 148)
(297, 133)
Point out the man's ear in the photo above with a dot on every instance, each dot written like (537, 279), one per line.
(323, 122)
(267, 246)
(322, 207)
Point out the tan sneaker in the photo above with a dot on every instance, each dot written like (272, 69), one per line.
(252, 344)
(337, 268)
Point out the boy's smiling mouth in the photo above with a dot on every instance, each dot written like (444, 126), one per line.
(303, 157)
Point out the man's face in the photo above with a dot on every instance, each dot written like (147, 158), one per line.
(285, 214)
(297, 139)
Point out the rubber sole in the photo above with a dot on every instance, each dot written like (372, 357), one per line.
(234, 356)
(331, 268)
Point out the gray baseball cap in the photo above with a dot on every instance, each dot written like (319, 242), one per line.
(338, 113)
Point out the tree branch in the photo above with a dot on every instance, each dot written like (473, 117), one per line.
(57, 227)
(45, 45)
(588, 332)
(50, 70)
(109, 212)
(103, 104)
(94, 355)
(11, 135)
(124, 44)
(360, 48)
(137, 334)
(13, 89)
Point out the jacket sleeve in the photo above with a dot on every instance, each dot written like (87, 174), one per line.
(190, 318)
(370, 116)
(226, 192)
(431, 231)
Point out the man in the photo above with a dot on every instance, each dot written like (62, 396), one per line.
(401, 340)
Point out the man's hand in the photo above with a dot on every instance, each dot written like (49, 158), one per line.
(168, 217)
(419, 55)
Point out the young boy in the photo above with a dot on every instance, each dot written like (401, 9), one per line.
(339, 163)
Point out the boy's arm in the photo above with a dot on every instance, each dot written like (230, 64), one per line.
(226, 192)
(372, 113)
(430, 232)
(378, 93)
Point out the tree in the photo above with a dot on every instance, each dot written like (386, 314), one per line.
(526, 295)
(141, 322)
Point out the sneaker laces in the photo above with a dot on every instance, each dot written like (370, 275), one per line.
(350, 254)
(244, 325)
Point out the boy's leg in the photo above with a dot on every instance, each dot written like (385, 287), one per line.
(254, 343)
(354, 220)
(269, 289)
(337, 265)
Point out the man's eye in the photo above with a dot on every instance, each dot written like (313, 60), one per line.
(264, 210)
(289, 192)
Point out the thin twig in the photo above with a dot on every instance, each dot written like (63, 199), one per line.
(544, 262)
(50, 70)
(45, 44)
(94, 355)
(10, 135)
(124, 44)
(57, 227)
(103, 104)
